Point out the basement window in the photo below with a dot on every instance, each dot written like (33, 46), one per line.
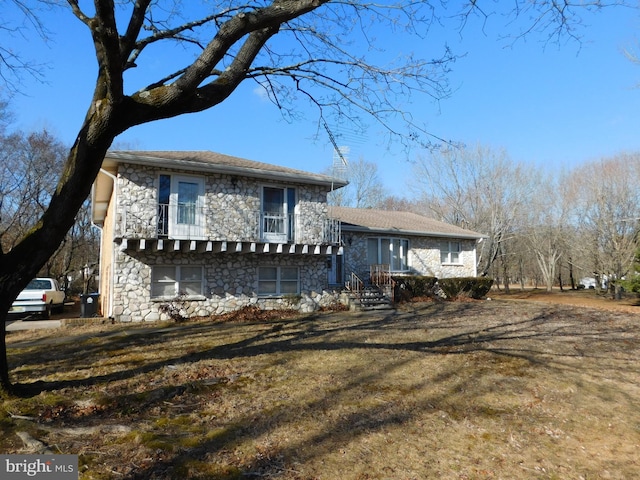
(275, 281)
(171, 281)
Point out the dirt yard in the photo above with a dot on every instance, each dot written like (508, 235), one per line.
(526, 388)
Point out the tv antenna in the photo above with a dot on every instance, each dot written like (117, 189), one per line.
(337, 151)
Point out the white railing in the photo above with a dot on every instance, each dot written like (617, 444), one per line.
(189, 221)
(355, 284)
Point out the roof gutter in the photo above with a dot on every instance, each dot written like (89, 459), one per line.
(361, 229)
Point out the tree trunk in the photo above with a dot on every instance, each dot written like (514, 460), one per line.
(22, 263)
(571, 279)
(598, 279)
(505, 271)
(618, 291)
(521, 265)
(5, 383)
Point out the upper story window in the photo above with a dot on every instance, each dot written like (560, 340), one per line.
(450, 252)
(389, 251)
(277, 215)
(180, 206)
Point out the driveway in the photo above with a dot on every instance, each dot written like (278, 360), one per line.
(31, 322)
(13, 325)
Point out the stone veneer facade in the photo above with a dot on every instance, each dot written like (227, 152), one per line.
(423, 256)
(230, 205)
(230, 283)
(229, 279)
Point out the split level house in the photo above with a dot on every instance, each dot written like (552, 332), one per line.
(213, 233)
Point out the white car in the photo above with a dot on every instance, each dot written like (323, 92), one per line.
(41, 295)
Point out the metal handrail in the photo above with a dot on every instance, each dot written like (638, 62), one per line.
(355, 284)
(380, 275)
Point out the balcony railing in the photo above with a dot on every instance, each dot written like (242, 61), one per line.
(192, 222)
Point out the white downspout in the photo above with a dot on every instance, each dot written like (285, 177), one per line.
(475, 256)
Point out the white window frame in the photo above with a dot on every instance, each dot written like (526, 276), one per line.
(278, 281)
(402, 255)
(288, 210)
(451, 252)
(177, 280)
(190, 230)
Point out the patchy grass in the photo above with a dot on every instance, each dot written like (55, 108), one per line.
(496, 389)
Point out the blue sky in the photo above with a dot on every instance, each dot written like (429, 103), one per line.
(548, 105)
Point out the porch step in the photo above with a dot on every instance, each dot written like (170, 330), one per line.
(371, 298)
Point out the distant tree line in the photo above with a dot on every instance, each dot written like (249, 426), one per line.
(545, 228)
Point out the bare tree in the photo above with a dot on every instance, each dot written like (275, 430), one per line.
(605, 200)
(364, 189)
(26, 17)
(545, 224)
(32, 166)
(295, 49)
(480, 189)
(75, 261)
(399, 204)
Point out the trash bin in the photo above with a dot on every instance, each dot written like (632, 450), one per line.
(89, 305)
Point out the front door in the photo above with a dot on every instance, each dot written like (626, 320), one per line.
(335, 271)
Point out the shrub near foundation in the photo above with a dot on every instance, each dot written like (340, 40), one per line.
(413, 286)
(471, 287)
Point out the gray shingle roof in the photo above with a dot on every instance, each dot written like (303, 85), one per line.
(206, 161)
(383, 221)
